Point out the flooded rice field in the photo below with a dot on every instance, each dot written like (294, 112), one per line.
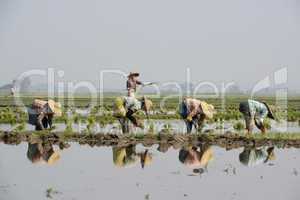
(44, 171)
(174, 126)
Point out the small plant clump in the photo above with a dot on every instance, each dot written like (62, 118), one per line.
(20, 127)
(267, 124)
(50, 192)
(239, 126)
(167, 128)
(151, 128)
(220, 124)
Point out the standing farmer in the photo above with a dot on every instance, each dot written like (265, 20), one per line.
(194, 112)
(132, 83)
(42, 112)
(255, 111)
(126, 107)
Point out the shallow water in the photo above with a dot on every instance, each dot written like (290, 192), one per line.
(83, 172)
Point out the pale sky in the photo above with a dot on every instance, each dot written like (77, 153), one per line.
(232, 40)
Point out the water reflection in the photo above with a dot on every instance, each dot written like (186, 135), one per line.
(163, 147)
(44, 153)
(85, 172)
(196, 157)
(128, 156)
(251, 157)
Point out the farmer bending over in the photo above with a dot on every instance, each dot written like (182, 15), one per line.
(194, 112)
(126, 107)
(42, 112)
(255, 111)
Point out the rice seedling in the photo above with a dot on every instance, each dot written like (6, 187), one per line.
(91, 122)
(239, 126)
(267, 124)
(167, 128)
(151, 128)
(20, 127)
(76, 118)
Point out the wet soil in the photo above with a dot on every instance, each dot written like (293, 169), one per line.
(228, 140)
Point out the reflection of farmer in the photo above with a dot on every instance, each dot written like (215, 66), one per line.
(127, 156)
(255, 111)
(41, 113)
(163, 147)
(254, 156)
(132, 83)
(194, 112)
(195, 159)
(42, 153)
(126, 107)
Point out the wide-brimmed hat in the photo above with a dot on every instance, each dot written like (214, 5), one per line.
(207, 109)
(270, 111)
(54, 158)
(206, 157)
(133, 74)
(55, 107)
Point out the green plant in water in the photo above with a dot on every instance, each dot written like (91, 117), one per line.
(76, 118)
(167, 128)
(151, 128)
(20, 127)
(220, 124)
(267, 124)
(65, 118)
(69, 123)
(239, 126)
(50, 192)
(69, 127)
(91, 122)
(53, 127)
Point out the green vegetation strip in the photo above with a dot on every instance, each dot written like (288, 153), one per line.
(101, 112)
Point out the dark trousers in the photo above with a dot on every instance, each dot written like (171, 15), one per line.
(245, 110)
(43, 122)
(197, 123)
(124, 121)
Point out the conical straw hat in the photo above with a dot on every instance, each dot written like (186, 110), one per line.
(133, 74)
(207, 109)
(53, 158)
(55, 107)
(206, 157)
